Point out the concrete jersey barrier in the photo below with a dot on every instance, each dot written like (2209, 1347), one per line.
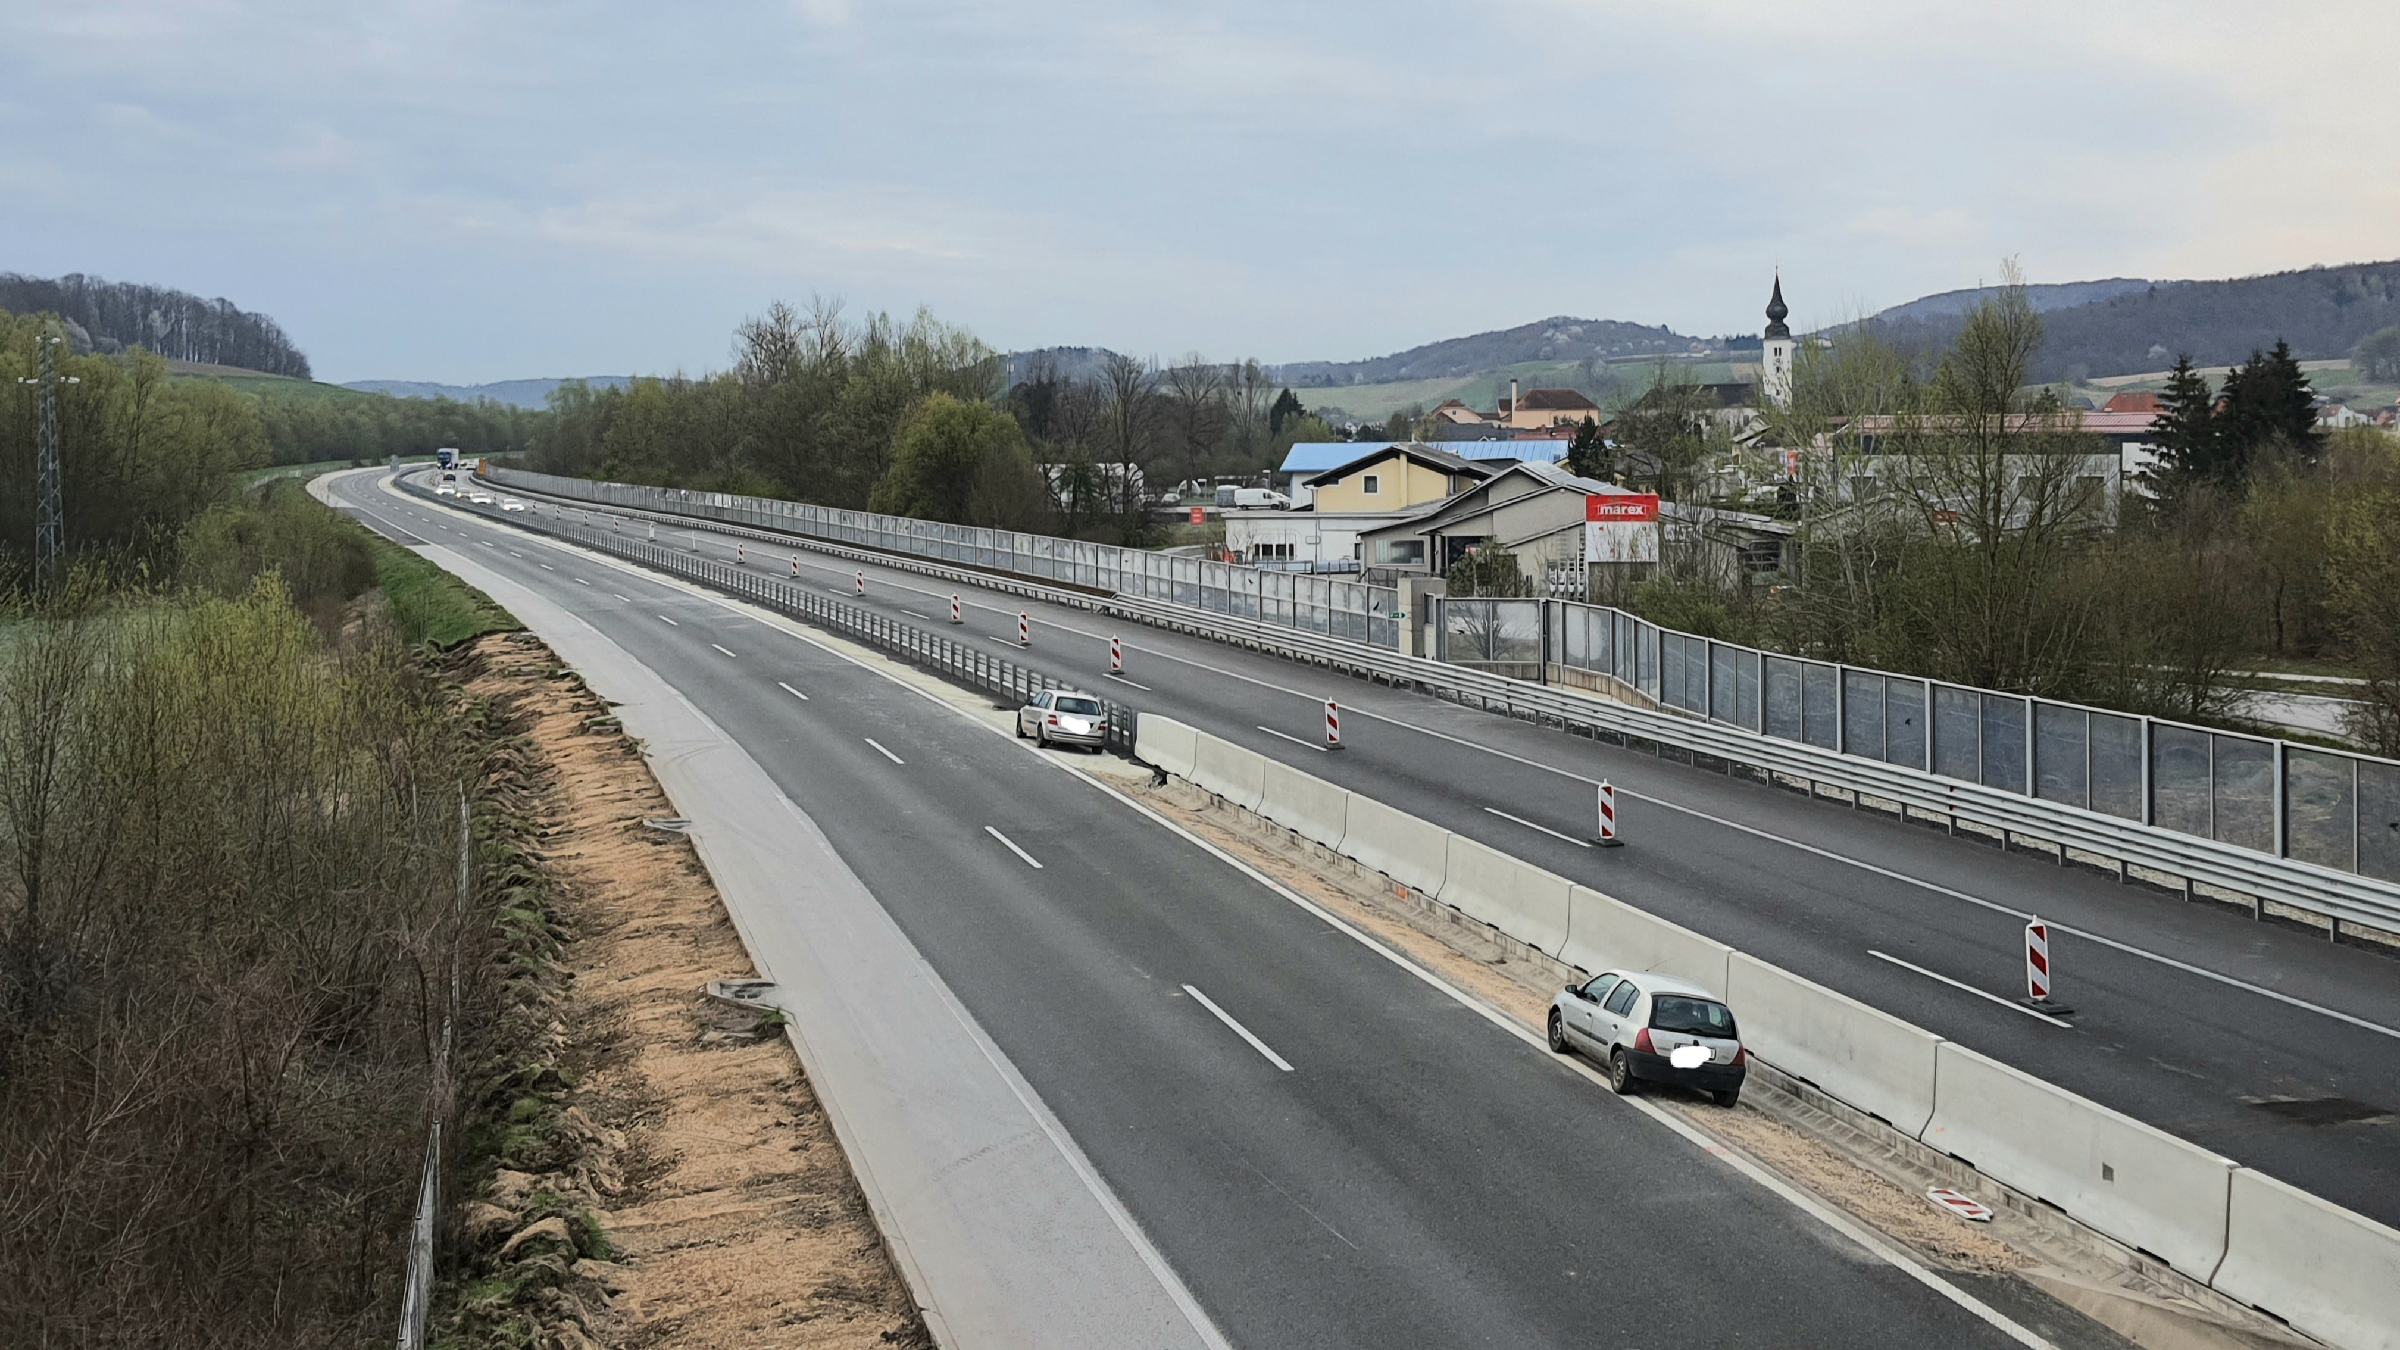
(1517, 898)
(2139, 1185)
(1167, 743)
(1870, 1059)
(2322, 1268)
(1399, 845)
(1226, 769)
(1304, 804)
(1608, 934)
(2325, 1270)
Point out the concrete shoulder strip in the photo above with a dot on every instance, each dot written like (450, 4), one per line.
(2139, 1185)
(983, 1197)
(2325, 1270)
(1870, 1059)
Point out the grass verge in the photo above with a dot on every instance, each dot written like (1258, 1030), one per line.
(429, 604)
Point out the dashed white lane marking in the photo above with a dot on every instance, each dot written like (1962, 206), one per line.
(723, 650)
(790, 690)
(1971, 989)
(1030, 860)
(896, 760)
(668, 622)
(1306, 745)
(1520, 820)
(1112, 675)
(1239, 1030)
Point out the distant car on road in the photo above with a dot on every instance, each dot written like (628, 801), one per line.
(511, 504)
(445, 490)
(1649, 1028)
(1064, 717)
(480, 498)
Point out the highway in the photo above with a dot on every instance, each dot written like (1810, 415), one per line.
(1329, 1150)
(2273, 1047)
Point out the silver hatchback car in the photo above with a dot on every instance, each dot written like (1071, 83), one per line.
(1652, 1028)
(1064, 717)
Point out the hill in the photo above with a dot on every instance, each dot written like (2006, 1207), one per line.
(514, 393)
(2321, 311)
(1591, 342)
(2046, 298)
(109, 316)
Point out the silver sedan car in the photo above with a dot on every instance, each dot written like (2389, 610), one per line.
(1064, 717)
(1651, 1028)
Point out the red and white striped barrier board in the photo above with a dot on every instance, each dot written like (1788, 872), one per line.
(2037, 961)
(1116, 657)
(1964, 1206)
(1024, 630)
(1608, 816)
(1333, 725)
(954, 611)
(795, 567)
(862, 583)
(741, 555)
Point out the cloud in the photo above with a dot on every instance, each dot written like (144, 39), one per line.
(823, 13)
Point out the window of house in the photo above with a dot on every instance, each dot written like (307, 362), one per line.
(1271, 552)
(1404, 552)
(1372, 484)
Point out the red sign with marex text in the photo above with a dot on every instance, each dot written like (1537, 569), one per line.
(1621, 508)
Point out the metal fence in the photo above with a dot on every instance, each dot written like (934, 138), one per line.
(1308, 604)
(416, 1292)
(2328, 808)
(964, 662)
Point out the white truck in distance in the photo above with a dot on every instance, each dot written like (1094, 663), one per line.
(1253, 499)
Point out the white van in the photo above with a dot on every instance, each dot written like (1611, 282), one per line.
(1260, 499)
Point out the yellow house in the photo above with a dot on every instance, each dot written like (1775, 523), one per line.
(1394, 478)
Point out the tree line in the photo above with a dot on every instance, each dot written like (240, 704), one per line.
(112, 316)
(920, 418)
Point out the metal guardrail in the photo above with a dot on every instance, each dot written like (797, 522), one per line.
(416, 1296)
(2341, 898)
(964, 663)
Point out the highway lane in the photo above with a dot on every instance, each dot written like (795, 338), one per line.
(1417, 1176)
(1882, 911)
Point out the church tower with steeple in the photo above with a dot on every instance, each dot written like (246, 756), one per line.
(1775, 356)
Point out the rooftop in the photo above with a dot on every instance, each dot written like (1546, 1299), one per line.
(1318, 456)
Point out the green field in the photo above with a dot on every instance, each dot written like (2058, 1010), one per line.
(1484, 389)
(2334, 379)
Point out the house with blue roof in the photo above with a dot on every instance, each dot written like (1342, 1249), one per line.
(1306, 459)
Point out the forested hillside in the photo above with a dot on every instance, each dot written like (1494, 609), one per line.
(2321, 311)
(1592, 341)
(109, 316)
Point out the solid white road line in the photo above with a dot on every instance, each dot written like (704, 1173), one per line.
(723, 650)
(668, 622)
(1579, 843)
(790, 690)
(1979, 993)
(1306, 745)
(1239, 1030)
(1030, 861)
(1112, 675)
(897, 760)
(1837, 1220)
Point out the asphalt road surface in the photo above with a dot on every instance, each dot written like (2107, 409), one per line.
(1329, 1150)
(2273, 1047)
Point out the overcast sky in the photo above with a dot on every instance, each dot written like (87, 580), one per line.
(469, 192)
